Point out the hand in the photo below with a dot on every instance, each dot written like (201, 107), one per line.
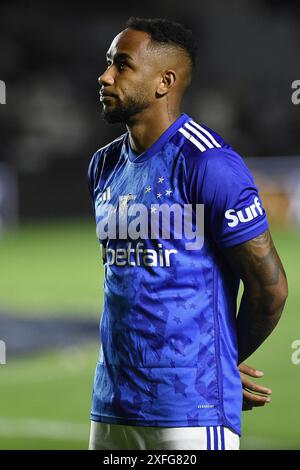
(253, 394)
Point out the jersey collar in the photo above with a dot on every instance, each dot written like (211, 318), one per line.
(158, 144)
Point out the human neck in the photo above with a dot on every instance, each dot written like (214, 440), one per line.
(148, 127)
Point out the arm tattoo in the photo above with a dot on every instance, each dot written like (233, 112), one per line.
(265, 289)
(260, 259)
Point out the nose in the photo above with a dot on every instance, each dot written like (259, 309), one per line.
(106, 78)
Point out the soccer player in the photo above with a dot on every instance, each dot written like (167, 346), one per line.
(180, 223)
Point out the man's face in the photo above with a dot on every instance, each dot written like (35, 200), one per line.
(128, 84)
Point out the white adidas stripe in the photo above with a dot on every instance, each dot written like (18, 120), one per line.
(192, 139)
(212, 438)
(198, 134)
(208, 134)
(219, 437)
(105, 196)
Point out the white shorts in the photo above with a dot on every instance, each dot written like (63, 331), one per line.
(107, 436)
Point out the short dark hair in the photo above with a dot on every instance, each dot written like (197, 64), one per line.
(165, 31)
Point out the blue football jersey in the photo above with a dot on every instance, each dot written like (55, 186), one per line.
(168, 354)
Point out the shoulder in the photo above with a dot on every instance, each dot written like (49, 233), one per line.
(205, 151)
(112, 149)
(198, 138)
(211, 165)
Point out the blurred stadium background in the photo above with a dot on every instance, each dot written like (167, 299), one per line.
(50, 266)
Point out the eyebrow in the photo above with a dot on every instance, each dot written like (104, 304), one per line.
(120, 56)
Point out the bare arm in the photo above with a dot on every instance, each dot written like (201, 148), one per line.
(257, 263)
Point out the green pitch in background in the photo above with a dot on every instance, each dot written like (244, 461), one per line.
(45, 398)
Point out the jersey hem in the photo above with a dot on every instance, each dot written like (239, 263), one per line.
(165, 423)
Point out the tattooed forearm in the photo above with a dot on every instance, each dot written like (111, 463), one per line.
(265, 290)
(257, 318)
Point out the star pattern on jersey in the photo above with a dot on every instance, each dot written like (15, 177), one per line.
(160, 312)
(180, 302)
(152, 329)
(164, 188)
(192, 305)
(179, 386)
(177, 320)
(126, 390)
(153, 210)
(200, 386)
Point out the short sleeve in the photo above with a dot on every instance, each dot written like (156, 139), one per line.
(233, 209)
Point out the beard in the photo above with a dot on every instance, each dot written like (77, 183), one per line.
(124, 112)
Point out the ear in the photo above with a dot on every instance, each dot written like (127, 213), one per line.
(167, 81)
